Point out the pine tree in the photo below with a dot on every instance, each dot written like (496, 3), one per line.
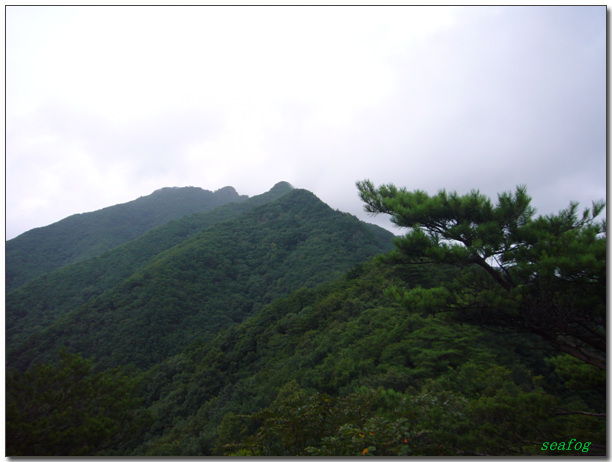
(542, 275)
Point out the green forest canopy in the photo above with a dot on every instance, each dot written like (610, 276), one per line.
(545, 275)
(426, 350)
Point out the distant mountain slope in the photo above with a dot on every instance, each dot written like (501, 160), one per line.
(86, 235)
(227, 365)
(36, 304)
(326, 367)
(215, 278)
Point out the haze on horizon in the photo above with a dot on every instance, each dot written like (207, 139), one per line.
(105, 104)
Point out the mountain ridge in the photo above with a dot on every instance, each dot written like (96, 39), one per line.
(80, 236)
(26, 307)
(273, 326)
(212, 278)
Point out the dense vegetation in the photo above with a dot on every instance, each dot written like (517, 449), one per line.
(545, 276)
(35, 305)
(392, 356)
(208, 281)
(86, 235)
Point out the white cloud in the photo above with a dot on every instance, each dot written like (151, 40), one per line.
(107, 104)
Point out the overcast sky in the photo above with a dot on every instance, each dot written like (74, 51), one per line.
(106, 104)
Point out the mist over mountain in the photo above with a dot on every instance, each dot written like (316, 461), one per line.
(39, 302)
(274, 325)
(86, 235)
(187, 279)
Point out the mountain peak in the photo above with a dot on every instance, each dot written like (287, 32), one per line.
(227, 192)
(90, 234)
(170, 189)
(282, 186)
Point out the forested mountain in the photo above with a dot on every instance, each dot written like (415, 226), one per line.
(347, 367)
(38, 303)
(86, 235)
(287, 328)
(193, 289)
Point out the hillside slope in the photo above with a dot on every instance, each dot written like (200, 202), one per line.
(199, 352)
(86, 235)
(209, 281)
(38, 303)
(346, 367)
